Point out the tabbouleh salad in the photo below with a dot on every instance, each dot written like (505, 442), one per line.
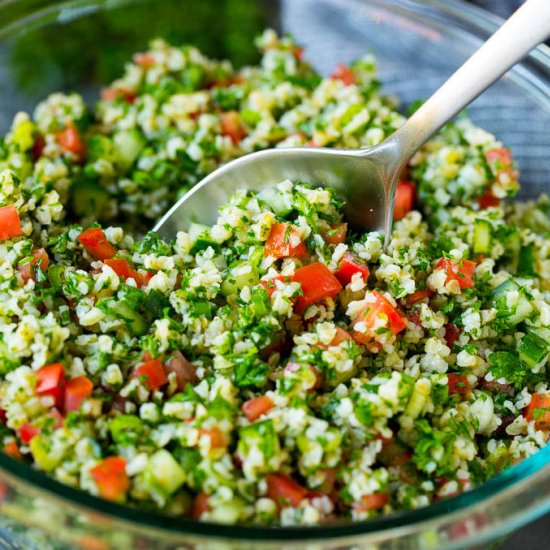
(274, 368)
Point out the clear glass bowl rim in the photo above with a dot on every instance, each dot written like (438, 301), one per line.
(513, 480)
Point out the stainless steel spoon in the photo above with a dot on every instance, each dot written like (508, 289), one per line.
(367, 178)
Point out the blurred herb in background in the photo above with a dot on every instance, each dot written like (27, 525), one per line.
(43, 63)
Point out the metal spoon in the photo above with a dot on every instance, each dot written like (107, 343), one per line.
(367, 178)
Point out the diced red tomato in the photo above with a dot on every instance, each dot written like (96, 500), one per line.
(200, 505)
(153, 373)
(371, 502)
(539, 411)
(394, 453)
(50, 380)
(39, 257)
(146, 59)
(418, 296)
(110, 94)
(293, 367)
(461, 272)
(317, 283)
(284, 242)
(3, 416)
(95, 243)
(218, 439)
(256, 407)
(298, 52)
(340, 336)
(336, 234)
(76, 391)
(284, 490)
(232, 126)
(500, 162)
(123, 269)
(12, 450)
(348, 267)
(70, 141)
(10, 224)
(270, 285)
(487, 200)
(185, 372)
(405, 195)
(458, 384)
(343, 73)
(111, 478)
(452, 333)
(27, 432)
(379, 316)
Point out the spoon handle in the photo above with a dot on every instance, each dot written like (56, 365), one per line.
(525, 29)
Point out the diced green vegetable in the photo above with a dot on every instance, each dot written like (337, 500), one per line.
(280, 202)
(482, 237)
(200, 237)
(533, 349)
(512, 314)
(165, 472)
(526, 261)
(128, 145)
(89, 199)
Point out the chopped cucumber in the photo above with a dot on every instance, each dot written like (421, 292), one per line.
(200, 237)
(137, 324)
(228, 512)
(533, 350)
(165, 472)
(89, 199)
(125, 429)
(482, 237)
(239, 276)
(56, 275)
(520, 310)
(512, 246)
(279, 202)
(526, 261)
(43, 453)
(128, 144)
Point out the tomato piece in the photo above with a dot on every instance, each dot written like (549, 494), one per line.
(184, 370)
(500, 162)
(284, 490)
(76, 391)
(39, 257)
(257, 406)
(298, 52)
(10, 223)
(123, 269)
(232, 126)
(111, 478)
(418, 296)
(452, 332)
(379, 317)
(96, 244)
(200, 506)
(270, 284)
(394, 454)
(70, 141)
(371, 502)
(146, 59)
(343, 73)
(328, 485)
(487, 200)
(218, 439)
(284, 241)
(539, 411)
(348, 267)
(461, 272)
(111, 94)
(27, 432)
(3, 416)
(317, 283)
(50, 380)
(318, 377)
(405, 195)
(458, 384)
(340, 336)
(153, 372)
(12, 450)
(38, 148)
(336, 234)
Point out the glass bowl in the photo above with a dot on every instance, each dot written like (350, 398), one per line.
(82, 44)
